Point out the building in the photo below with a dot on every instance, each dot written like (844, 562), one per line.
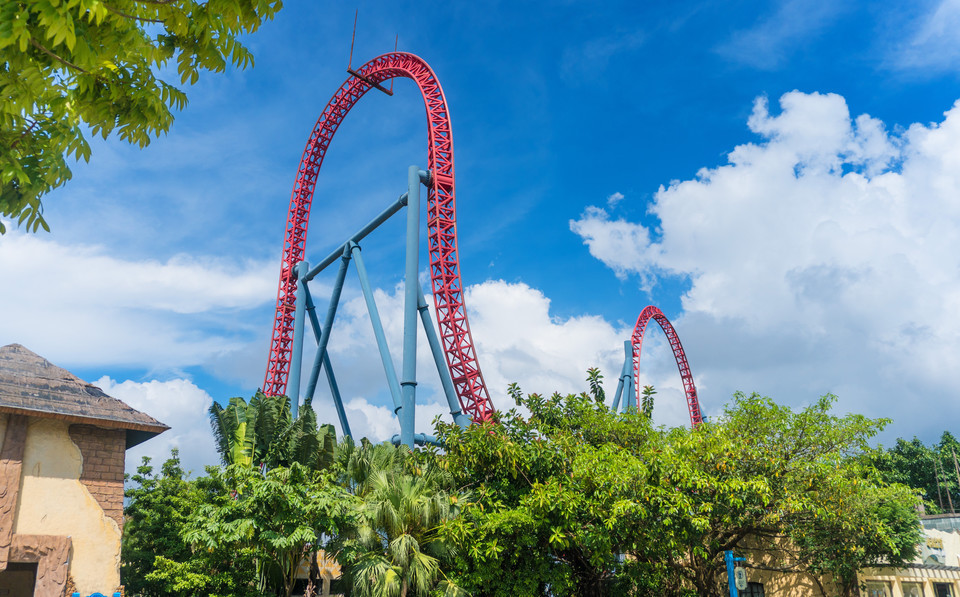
(935, 572)
(62, 448)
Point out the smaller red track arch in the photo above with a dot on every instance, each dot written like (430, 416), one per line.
(689, 389)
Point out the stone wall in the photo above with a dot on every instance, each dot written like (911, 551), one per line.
(103, 451)
(55, 502)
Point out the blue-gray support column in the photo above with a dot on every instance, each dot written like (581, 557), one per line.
(296, 359)
(408, 381)
(360, 235)
(630, 397)
(388, 368)
(419, 439)
(328, 370)
(445, 380)
(624, 372)
(324, 339)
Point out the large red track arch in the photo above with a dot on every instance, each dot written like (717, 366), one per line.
(689, 389)
(441, 229)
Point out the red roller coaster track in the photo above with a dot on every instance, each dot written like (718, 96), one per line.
(441, 229)
(690, 390)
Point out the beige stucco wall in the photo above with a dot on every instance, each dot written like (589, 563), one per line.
(794, 585)
(54, 502)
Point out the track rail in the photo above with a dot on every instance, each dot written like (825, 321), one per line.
(690, 390)
(441, 229)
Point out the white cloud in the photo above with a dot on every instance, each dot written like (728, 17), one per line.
(614, 199)
(767, 44)
(934, 41)
(517, 340)
(831, 244)
(177, 403)
(78, 305)
(618, 243)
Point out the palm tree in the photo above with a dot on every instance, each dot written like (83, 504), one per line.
(396, 551)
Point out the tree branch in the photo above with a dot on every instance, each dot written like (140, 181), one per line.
(131, 17)
(66, 63)
(33, 123)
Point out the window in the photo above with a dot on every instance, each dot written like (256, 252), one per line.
(943, 589)
(878, 589)
(912, 589)
(754, 589)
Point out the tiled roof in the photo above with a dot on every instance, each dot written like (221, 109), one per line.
(32, 385)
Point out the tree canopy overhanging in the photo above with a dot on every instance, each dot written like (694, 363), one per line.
(70, 66)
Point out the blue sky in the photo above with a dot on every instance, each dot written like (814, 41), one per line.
(780, 178)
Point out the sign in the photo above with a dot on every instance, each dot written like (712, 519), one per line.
(740, 578)
(935, 542)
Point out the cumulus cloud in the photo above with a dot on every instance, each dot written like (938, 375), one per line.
(78, 304)
(830, 243)
(517, 339)
(520, 341)
(181, 405)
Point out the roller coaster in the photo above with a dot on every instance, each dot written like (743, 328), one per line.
(453, 349)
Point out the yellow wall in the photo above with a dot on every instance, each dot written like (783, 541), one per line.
(54, 502)
(792, 584)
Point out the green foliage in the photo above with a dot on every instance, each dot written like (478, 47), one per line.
(70, 64)
(576, 500)
(155, 559)
(930, 469)
(595, 379)
(395, 548)
(277, 519)
(264, 432)
(792, 485)
(646, 401)
(560, 496)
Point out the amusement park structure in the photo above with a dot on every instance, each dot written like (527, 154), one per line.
(631, 364)
(453, 348)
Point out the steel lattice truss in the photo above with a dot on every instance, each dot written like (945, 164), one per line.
(690, 390)
(441, 230)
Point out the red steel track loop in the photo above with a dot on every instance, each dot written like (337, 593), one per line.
(651, 312)
(441, 230)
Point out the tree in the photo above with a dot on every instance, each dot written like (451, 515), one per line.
(155, 559)
(70, 64)
(395, 549)
(791, 488)
(577, 500)
(560, 497)
(278, 518)
(929, 469)
(646, 401)
(595, 379)
(263, 432)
